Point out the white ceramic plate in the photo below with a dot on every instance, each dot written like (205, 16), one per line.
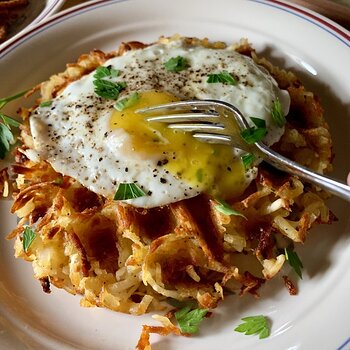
(35, 12)
(292, 37)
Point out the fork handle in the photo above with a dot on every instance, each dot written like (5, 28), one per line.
(282, 163)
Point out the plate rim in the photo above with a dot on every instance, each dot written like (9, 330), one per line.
(314, 16)
(52, 7)
(321, 21)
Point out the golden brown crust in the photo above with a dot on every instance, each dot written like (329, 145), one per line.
(292, 290)
(85, 64)
(144, 341)
(5, 183)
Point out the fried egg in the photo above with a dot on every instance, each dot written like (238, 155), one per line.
(84, 136)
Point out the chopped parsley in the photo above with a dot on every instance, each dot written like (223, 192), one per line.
(189, 316)
(28, 238)
(128, 191)
(277, 114)
(4, 101)
(223, 77)
(9, 121)
(127, 102)
(46, 104)
(226, 209)
(256, 133)
(106, 72)
(259, 123)
(294, 261)
(254, 325)
(6, 139)
(248, 160)
(104, 86)
(6, 122)
(176, 64)
(252, 135)
(189, 320)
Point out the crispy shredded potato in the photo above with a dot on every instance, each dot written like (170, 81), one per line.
(130, 259)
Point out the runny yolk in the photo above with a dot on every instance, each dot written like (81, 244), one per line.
(210, 168)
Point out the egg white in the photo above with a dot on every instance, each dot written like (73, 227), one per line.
(75, 136)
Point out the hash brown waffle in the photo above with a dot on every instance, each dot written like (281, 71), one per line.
(129, 259)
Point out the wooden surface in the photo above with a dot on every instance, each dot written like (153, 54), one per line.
(338, 11)
(70, 3)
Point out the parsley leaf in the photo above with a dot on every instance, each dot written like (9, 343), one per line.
(189, 320)
(277, 114)
(6, 139)
(176, 64)
(106, 72)
(106, 88)
(252, 135)
(6, 136)
(294, 261)
(128, 191)
(259, 123)
(46, 103)
(248, 159)
(28, 238)
(256, 133)
(9, 121)
(127, 102)
(223, 77)
(5, 100)
(226, 209)
(254, 325)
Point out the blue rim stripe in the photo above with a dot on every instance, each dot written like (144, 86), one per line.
(343, 346)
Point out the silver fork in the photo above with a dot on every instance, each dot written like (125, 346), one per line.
(211, 121)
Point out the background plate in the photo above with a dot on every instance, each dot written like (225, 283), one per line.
(290, 36)
(35, 12)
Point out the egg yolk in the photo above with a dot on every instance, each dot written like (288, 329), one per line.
(210, 168)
